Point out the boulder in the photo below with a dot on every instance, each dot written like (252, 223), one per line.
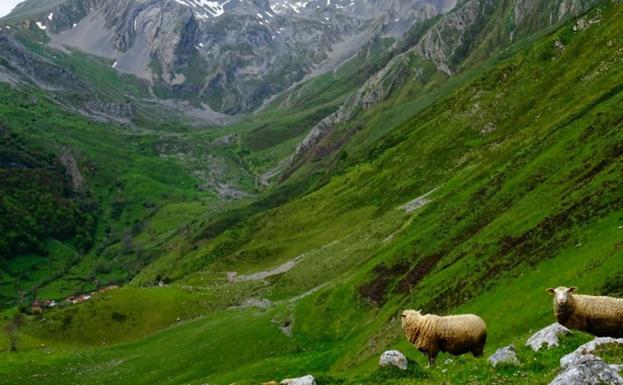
(582, 367)
(548, 336)
(506, 355)
(588, 369)
(393, 358)
(305, 380)
(587, 349)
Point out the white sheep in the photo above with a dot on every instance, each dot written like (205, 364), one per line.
(456, 335)
(599, 316)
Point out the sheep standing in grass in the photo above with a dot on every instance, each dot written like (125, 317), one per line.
(456, 335)
(599, 316)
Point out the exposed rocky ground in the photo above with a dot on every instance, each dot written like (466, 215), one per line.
(233, 55)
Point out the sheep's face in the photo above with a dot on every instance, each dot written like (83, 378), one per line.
(562, 295)
(409, 314)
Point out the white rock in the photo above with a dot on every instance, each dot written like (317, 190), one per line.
(305, 380)
(505, 355)
(548, 336)
(393, 358)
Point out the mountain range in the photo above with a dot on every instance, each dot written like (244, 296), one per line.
(231, 55)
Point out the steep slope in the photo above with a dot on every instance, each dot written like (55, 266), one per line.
(507, 184)
(454, 44)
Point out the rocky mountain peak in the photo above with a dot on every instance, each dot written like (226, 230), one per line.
(232, 55)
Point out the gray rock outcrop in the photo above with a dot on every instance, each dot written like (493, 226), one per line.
(504, 356)
(582, 367)
(588, 348)
(549, 337)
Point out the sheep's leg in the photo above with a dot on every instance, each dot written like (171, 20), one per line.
(479, 350)
(427, 357)
(431, 358)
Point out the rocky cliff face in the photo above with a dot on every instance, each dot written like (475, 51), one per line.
(554, 11)
(231, 54)
(21, 65)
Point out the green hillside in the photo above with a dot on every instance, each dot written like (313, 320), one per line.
(472, 193)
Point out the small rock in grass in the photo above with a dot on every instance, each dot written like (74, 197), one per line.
(393, 358)
(305, 380)
(505, 355)
(548, 336)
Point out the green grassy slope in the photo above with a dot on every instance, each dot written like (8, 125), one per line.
(129, 188)
(410, 83)
(523, 164)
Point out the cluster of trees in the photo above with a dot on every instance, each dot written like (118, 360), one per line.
(37, 202)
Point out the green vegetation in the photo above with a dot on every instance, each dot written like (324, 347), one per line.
(521, 159)
(125, 185)
(36, 201)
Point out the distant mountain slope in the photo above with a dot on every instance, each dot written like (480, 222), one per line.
(458, 41)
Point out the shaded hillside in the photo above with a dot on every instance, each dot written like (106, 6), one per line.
(38, 200)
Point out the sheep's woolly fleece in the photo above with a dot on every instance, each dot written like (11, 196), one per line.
(461, 333)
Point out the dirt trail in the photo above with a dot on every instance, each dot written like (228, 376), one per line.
(233, 276)
(418, 202)
(261, 275)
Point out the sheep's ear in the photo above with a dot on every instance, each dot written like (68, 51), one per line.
(572, 289)
(550, 290)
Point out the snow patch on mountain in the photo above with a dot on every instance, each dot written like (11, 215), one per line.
(205, 8)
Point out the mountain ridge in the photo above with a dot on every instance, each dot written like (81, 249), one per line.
(258, 53)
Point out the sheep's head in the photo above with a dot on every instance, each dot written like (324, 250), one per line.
(409, 314)
(562, 295)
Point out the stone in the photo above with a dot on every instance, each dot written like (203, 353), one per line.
(506, 355)
(582, 367)
(548, 336)
(305, 380)
(488, 128)
(588, 369)
(587, 349)
(393, 358)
